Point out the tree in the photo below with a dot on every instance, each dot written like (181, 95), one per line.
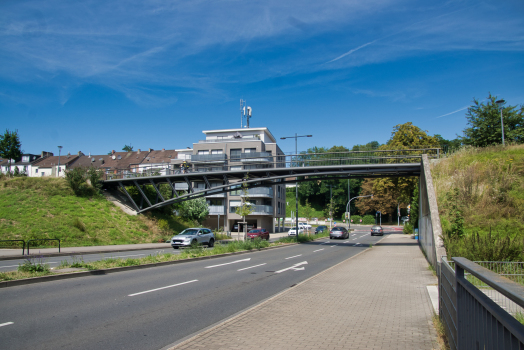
(10, 146)
(194, 210)
(127, 148)
(485, 127)
(246, 208)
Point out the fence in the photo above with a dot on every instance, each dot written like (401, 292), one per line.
(16, 240)
(43, 239)
(478, 302)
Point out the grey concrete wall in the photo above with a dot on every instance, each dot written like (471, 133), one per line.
(430, 230)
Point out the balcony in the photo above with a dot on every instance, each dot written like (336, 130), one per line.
(257, 192)
(216, 209)
(259, 210)
(208, 158)
(255, 157)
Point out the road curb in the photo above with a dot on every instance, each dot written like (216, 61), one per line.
(26, 281)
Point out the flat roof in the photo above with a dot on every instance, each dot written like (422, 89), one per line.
(241, 129)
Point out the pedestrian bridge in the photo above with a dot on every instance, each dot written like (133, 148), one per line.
(212, 176)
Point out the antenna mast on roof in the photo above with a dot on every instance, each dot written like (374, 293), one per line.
(242, 111)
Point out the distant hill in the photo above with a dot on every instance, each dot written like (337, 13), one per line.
(33, 208)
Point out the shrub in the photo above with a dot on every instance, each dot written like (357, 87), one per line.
(356, 219)
(484, 247)
(408, 228)
(368, 220)
(76, 179)
(163, 225)
(34, 265)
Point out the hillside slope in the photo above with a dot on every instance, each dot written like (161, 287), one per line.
(33, 208)
(481, 190)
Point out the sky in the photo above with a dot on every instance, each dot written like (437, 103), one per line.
(93, 76)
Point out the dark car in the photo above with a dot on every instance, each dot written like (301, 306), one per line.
(377, 230)
(258, 233)
(338, 232)
(321, 229)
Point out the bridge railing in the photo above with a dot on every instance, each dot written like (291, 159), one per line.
(264, 160)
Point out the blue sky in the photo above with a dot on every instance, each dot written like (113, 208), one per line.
(93, 76)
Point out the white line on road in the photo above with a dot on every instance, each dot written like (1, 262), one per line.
(229, 263)
(291, 257)
(318, 250)
(333, 246)
(125, 256)
(354, 234)
(294, 267)
(6, 324)
(1, 267)
(154, 290)
(245, 268)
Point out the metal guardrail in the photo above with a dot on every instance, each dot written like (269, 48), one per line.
(43, 239)
(16, 240)
(472, 319)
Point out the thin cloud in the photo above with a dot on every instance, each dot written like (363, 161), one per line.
(458, 110)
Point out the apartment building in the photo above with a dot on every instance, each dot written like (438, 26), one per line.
(239, 149)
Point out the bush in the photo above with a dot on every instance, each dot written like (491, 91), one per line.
(408, 228)
(484, 247)
(163, 225)
(368, 220)
(356, 219)
(34, 265)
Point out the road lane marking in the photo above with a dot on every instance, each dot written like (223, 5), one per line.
(245, 268)
(154, 290)
(124, 256)
(1, 267)
(318, 250)
(333, 246)
(294, 267)
(229, 263)
(291, 257)
(6, 324)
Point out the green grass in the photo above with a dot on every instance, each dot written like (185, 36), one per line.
(36, 208)
(486, 186)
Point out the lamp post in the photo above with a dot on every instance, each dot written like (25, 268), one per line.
(500, 103)
(59, 149)
(347, 206)
(296, 187)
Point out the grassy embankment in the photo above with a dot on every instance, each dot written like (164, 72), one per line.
(33, 208)
(480, 194)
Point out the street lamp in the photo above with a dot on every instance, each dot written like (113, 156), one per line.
(347, 206)
(296, 186)
(500, 103)
(59, 149)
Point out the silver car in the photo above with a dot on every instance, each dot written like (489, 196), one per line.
(194, 236)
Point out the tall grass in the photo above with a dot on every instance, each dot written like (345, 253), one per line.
(480, 190)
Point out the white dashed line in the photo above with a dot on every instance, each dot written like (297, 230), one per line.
(154, 290)
(245, 268)
(125, 256)
(6, 324)
(1, 267)
(318, 250)
(229, 263)
(333, 246)
(291, 257)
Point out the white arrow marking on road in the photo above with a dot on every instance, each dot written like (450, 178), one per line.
(245, 268)
(229, 263)
(6, 324)
(294, 267)
(154, 290)
(291, 257)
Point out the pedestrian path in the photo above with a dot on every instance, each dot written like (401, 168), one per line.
(375, 300)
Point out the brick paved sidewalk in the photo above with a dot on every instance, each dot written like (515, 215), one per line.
(376, 300)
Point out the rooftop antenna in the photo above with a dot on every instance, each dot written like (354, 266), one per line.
(242, 111)
(248, 115)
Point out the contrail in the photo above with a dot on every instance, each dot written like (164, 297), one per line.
(458, 110)
(351, 51)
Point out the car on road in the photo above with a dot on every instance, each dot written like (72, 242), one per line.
(377, 230)
(404, 219)
(338, 232)
(304, 226)
(261, 233)
(320, 229)
(293, 231)
(193, 236)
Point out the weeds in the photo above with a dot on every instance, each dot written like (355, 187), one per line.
(34, 264)
(441, 332)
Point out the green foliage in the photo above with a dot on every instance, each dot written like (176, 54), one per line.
(408, 228)
(356, 219)
(246, 208)
(414, 207)
(485, 247)
(307, 211)
(76, 179)
(79, 224)
(163, 225)
(127, 148)
(194, 210)
(368, 220)
(484, 126)
(10, 146)
(34, 265)
(454, 215)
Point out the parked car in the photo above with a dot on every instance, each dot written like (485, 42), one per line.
(196, 235)
(338, 232)
(305, 226)
(404, 219)
(293, 231)
(320, 229)
(377, 230)
(261, 233)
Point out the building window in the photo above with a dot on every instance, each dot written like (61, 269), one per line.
(235, 203)
(250, 150)
(236, 167)
(278, 191)
(203, 152)
(235, 154)
(36, 170)
(278, 206)
(217, 151)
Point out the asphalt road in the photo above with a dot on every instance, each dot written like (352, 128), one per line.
(153, 308)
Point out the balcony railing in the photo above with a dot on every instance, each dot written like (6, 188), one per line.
(216, 209)
(204, 158)
(258, 210)
(255, 192)
(255, 157)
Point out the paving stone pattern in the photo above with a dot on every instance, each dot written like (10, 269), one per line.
(376, 300)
